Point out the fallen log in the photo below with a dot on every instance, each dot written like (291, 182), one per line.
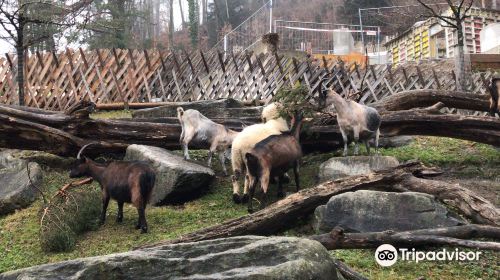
(407, 100)
(63, 134)
(447, 236)
(281, 214)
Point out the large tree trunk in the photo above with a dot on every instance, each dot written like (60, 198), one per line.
(280, 215)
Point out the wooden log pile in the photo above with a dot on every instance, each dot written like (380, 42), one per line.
(64, 133)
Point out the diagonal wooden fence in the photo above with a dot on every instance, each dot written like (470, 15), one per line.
(55, 81)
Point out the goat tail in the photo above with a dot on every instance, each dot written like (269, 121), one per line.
(253, 165)
(147, 182)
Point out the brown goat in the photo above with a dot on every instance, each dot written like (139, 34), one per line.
(273, 157)
(494, 90)
(124, 181)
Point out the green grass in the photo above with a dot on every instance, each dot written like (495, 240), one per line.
(118, 114)
(20, 245)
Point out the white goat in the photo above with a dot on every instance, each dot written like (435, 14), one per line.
(196, 127)
(356, 122)
(246, 140)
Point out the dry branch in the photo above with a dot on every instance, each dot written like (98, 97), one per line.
(281, 214)
(449, 236)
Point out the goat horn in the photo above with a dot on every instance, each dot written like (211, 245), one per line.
(81, 150)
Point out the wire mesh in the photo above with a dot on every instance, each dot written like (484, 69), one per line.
(326, 38)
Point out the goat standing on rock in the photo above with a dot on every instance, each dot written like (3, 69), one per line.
(356, 122)
(196, 127)
(272, 157)
(124, 181)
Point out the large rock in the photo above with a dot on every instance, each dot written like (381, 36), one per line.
(246, 257)
(222, 108)
(373, 211)
(177, 180)
(339, 167)
(16, 191)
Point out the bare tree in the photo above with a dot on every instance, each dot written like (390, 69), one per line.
(171, 28)
(182, 14)
(15, 20)
(459, 12)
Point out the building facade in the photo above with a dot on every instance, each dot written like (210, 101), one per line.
(428, 39)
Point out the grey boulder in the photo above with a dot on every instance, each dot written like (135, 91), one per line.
(16, 191)
(246, 257)
(177, 180)
(374, 211)
(339, 167)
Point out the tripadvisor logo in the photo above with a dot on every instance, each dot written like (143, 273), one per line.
(387, 255)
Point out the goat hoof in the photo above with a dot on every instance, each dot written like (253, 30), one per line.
(144, 230)
(101, 222)
(119, 220)
(236, 198)
(245, 198)
(281, 194)
(137, 226)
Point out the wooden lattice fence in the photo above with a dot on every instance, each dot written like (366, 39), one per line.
(56, 81)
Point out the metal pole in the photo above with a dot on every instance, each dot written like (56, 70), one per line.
(271, 17)
(361, 27)
(378, 44)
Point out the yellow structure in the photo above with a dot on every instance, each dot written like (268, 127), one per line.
(353, 57)
(428, 39)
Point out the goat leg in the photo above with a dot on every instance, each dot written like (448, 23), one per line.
(236, 187)
(281, 193)
(141, 223)
(222, 159)
(105, 202)
(251, 194)
(344, 138)
(367, 144)
(245, 198)
(119, 216)
(377, 136)
(356, 141)
(296, 175)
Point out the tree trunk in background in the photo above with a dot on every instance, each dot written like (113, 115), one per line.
(204, 11)
(120, 16)
(171, 28)
(182, 14)
(460, 60)
(20, 60)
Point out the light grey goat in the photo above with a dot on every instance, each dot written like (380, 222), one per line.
(357, 122)
(196, 127)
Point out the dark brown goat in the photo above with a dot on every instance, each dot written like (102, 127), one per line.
(124, 181)
(273, 157)
(494, 90)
